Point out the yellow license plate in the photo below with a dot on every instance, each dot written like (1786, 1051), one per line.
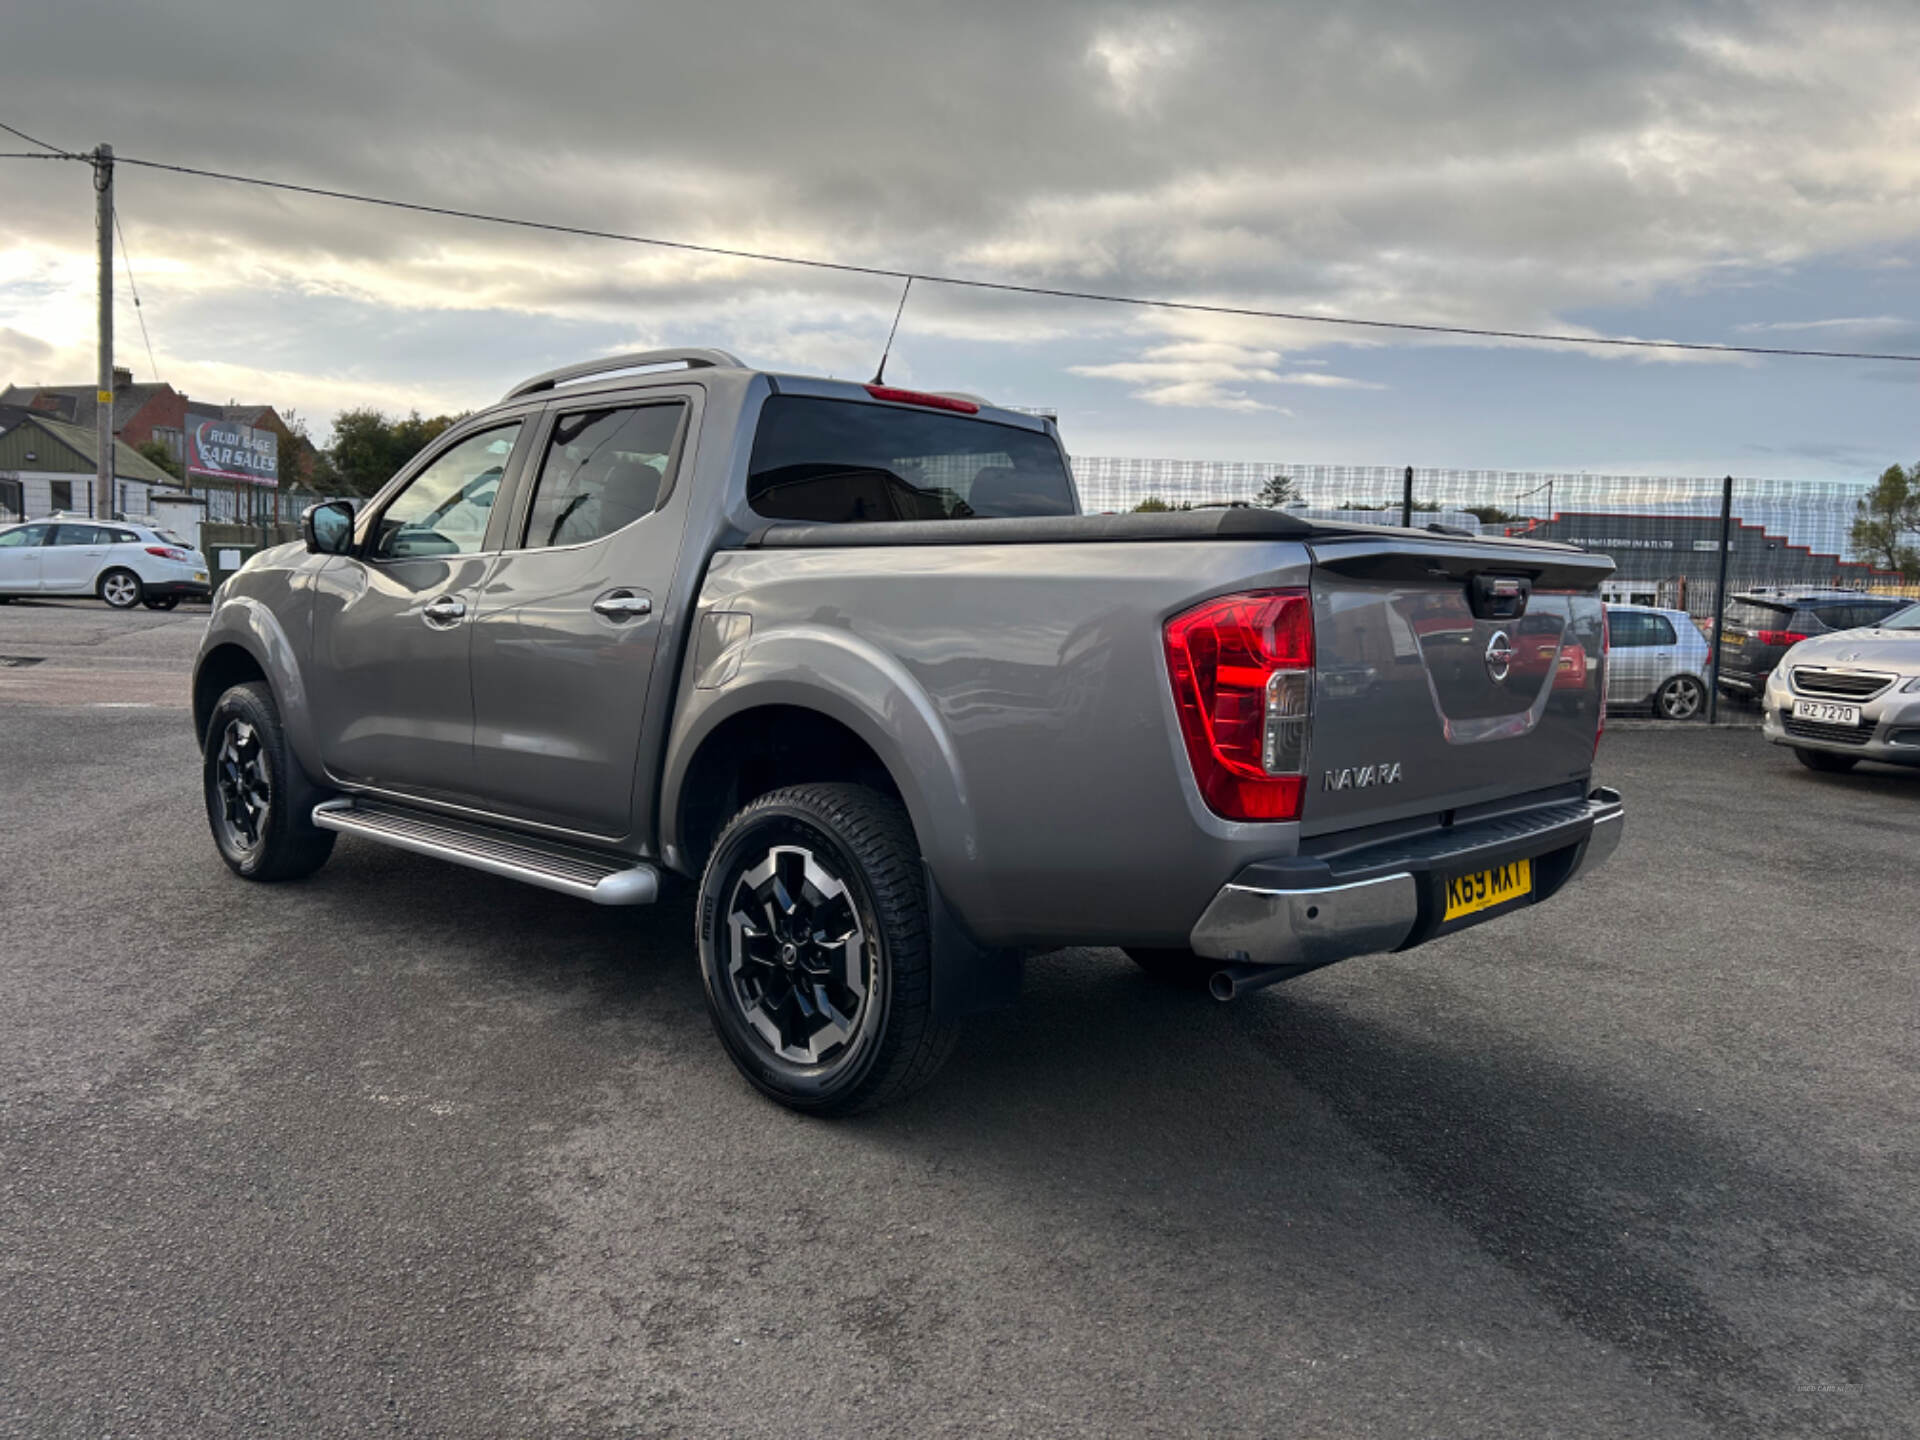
(1484, 889)
(199, 574)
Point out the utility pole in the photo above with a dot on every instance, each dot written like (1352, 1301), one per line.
(103, 411)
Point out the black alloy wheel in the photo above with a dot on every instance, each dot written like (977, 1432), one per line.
(814, 949)
(259, 801)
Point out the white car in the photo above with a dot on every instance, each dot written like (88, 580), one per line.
(1658, 658)
(123, 563)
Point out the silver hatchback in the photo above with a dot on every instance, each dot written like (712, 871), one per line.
(1851, 696)
(1658, 658)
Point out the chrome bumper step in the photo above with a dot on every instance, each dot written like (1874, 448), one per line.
(605, 880)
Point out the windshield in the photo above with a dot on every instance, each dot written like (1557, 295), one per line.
(839, 461)
(1907, 619)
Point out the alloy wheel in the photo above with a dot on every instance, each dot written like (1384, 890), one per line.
(800, 967)
(245, 784)
(120, 591)
(1681, 700)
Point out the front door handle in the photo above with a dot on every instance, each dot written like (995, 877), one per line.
(623, 605)
(445, 610)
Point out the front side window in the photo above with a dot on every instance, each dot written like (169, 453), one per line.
(603, 470)
(25, 535)
(445, 508)
(841, 461)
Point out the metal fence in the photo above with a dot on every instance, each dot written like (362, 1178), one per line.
(1667, 534)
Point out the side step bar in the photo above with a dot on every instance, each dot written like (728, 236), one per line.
(603, 880)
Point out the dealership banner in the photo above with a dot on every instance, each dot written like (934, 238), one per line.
(226, 450)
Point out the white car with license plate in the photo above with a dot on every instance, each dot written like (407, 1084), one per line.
(123, 563)
(1851, 696)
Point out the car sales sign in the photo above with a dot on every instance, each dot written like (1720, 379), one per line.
(225, 450)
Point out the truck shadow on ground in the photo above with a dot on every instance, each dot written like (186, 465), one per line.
(1754, 1294)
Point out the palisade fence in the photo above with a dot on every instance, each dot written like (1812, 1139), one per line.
(1666, 533)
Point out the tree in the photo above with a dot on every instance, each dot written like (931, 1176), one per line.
(1491, 514)
(1153, 504)
(1277, 492)
(159, 454)
(1886, 520)
(368, 447)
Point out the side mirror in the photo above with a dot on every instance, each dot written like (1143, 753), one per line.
(329, 528)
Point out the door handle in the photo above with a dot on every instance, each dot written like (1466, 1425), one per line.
(623, 605)
(445, 610)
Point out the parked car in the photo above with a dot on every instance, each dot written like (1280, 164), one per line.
(1762, 625)
(1841, 699)
(849, 658)
(123, 563)
(1656, 658)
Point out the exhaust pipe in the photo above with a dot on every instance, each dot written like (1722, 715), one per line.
(1230, 982)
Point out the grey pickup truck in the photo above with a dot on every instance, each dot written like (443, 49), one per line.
(850, 659)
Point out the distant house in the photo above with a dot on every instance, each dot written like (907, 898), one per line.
(151, 410)
(47, 467)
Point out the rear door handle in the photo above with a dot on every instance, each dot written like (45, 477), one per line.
(445, 610)
(623, 605)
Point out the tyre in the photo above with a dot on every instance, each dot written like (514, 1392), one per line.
(1681, 698)
(1825, 761)
(161, 602)
(1180, 968)
(121, 589)
(815, 952)
(259, 801)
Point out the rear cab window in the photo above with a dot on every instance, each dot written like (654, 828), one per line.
(844, 462)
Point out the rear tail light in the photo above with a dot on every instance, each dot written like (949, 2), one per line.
(1242, 673)
(1778, 637)
(167, 552)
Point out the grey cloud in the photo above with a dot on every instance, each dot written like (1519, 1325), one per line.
(1497, 162)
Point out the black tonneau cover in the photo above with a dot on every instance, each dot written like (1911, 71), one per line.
(1225, 523)
(1362, 551)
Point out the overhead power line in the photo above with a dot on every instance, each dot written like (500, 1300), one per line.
(126, 259)
(31, 140)
(1004, 286)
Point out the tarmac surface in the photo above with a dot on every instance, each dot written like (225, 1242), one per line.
(406, 1149)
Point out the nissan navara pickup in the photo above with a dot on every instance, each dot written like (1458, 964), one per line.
(851, 660)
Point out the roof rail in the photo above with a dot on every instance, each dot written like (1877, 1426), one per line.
(693, 359)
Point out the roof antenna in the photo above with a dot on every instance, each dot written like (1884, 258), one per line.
(880, 375)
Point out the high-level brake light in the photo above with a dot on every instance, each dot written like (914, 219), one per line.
(1242, 673)
(922, 397)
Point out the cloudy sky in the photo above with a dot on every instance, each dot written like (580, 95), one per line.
(1711, 170)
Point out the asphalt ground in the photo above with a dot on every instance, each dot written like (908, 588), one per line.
(406, 1149)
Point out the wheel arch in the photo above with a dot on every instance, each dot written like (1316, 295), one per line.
(861, 705)
(245, 641)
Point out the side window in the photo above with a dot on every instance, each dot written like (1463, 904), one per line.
(79, 535)
(122, 537)
(603, 470)
(1660, 631)
(25, 535)
(1626, 629)
(445, 508)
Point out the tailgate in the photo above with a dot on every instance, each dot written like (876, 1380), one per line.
(1448, 673)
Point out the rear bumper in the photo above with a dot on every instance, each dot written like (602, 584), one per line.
(186, 589)
(1307, 913)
